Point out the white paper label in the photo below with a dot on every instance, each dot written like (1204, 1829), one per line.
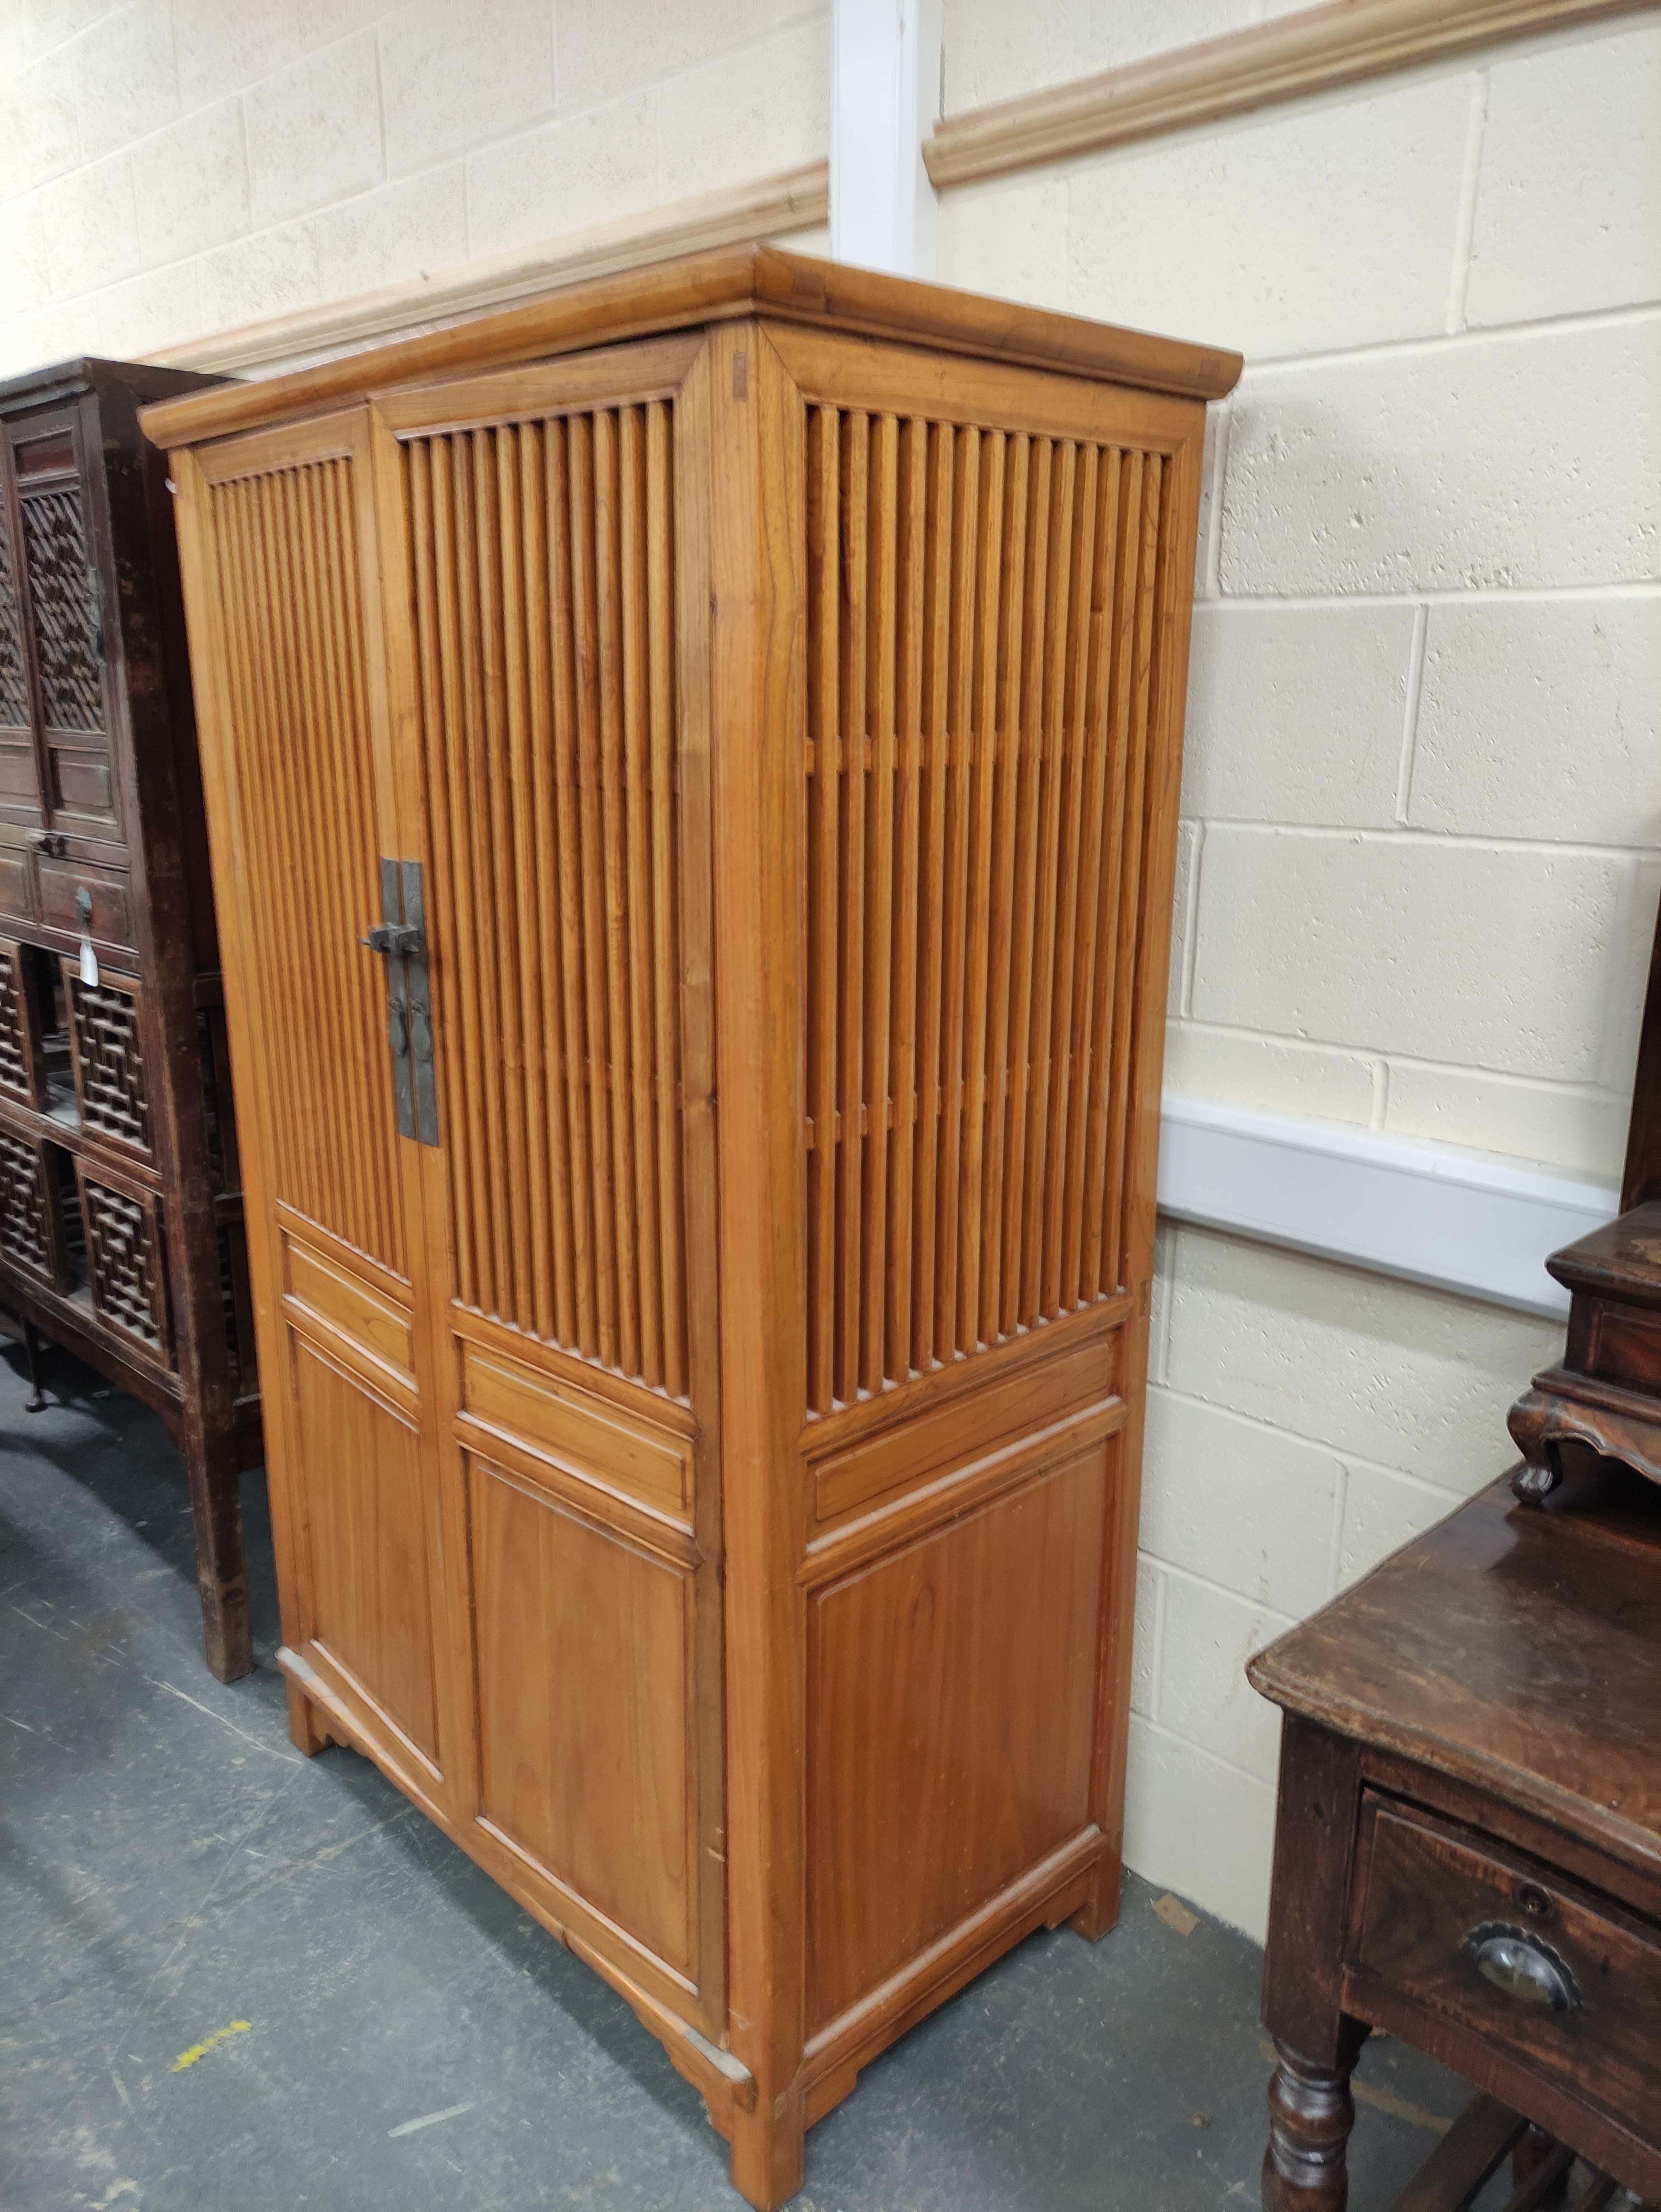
(88, 965)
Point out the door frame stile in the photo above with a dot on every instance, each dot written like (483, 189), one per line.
(1175, 590)
(693, 479)
(196, 539)
(389, 650)
(758, 708)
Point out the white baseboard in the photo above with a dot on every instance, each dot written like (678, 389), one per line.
(1473, 1223)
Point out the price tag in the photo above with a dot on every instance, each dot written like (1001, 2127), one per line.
(88, 965)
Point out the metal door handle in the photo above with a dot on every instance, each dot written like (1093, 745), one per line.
(395, 942)
(1516, 1961)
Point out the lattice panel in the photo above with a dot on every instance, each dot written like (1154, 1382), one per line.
(109, 1062)
(125, 1264)
(292, 596)
(23, 1201)
(16, 1073)
(982, 643)
(13, 682)
(544, 610)
(63, 601)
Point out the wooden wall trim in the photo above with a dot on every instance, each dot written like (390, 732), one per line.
(1286, 58)
(796, 199)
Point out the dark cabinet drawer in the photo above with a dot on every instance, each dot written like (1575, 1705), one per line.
(112, 905)
(1561, 1979)
(16, 884)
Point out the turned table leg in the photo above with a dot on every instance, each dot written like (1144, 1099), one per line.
(1311, 2113)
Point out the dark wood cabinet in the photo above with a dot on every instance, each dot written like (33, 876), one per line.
(120, 1206)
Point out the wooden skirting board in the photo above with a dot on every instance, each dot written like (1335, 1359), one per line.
(1287, 58)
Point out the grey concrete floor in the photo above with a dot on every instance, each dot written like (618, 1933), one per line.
(171, 1870)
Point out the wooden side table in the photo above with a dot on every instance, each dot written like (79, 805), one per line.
(1467, 1848)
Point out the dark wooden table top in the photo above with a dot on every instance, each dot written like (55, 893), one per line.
(1516, 1648)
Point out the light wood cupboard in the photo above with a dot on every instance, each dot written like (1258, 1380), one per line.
(702, 1243)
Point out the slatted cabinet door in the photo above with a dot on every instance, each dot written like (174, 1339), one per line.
(302, 787)
(531, 631)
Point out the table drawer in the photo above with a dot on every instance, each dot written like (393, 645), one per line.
(1490, 1940)
(62, 881)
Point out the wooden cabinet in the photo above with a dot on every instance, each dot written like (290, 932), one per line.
(120, 1206)
(704, 1237)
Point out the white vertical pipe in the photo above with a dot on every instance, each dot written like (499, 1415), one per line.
(884, 100)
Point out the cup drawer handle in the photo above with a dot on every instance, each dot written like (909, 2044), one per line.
(1516, 1961)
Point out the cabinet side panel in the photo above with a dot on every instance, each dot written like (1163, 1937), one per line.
(952, 1685)
(982, 638)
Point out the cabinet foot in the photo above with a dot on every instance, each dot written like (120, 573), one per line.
(306, 1731)
(768, 2151)
(1100, 1908)
(221, 1579)
(1311, 2113)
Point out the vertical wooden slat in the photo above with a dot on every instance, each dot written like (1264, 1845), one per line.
(1071, 738)
(448, 540)
(665, 887)
(825, 729)
(329, 759)
(879, 889)
(529, 1227)
(911, 607)
(1047, 635)
(1100, 945)
(966, 512)
(994, 554)
(1077, 895)
(592, 867)
(637, 881)
(854, 634)
(544, 971)
(1026, 551)
(1101, 1257)
(291, 741)
(619, 1073)
(586, 1231)
(495, 800)
(441, 892)
(488, 1112)
(246, 665)
(931, 981)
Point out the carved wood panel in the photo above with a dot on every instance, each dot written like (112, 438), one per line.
(16, 1059)
(109, 1065)
(63, 599)
(24, 1203)
(543, 594)
(982, 637)
(14, 680)
(125, 1266)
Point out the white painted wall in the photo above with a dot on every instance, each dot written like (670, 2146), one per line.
(1422, 793)
(173, 167)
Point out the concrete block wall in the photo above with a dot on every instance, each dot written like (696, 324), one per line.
(1422, 790)
(170, 168)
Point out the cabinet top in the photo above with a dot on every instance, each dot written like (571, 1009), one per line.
(70, 379)
(718, 286)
